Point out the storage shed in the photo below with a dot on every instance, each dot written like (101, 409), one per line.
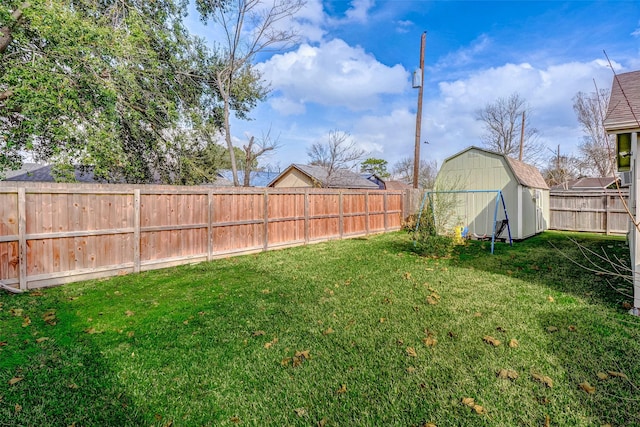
(474, 170)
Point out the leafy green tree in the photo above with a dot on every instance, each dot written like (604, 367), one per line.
(112, 85)
(375, 166)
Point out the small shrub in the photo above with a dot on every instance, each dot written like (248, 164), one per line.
(426, 240)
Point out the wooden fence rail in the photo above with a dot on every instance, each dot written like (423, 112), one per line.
(52, 234)
(596, 211)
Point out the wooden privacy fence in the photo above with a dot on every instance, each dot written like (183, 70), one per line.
(597, 211)
(52, 233)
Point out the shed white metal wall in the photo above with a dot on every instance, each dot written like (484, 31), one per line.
(476, 169)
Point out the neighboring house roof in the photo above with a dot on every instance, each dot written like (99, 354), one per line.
(624, 103)
(397, 185)
(375, 179)
(42, 173)
(340, 178)
(586, 184)
(526, 174)
(256, 178)
(26, 168)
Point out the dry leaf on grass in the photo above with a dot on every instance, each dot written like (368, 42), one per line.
(411, 352)
(430, 341)
(571, 328)
(513, 343)
(26, 322)
(411, 369)
(266, 291)
(342, 389)
(42, 339)
(234, 420)
(3, 343)
(301, 412)
(550, 298)
(617, 374)
(627, 306)
(602, 376)
(479, 409)
(407, 275)
(491, 340)
(15, 380)
(328, 331)
(429, 425)
(73, 386)
(547, 421)
(129, 313)
(552, 329)
(303, 354)
(17, 312)
(501, 329)
(477, 314)
(543, 379)
(257, 333)
(323, 422)
(508, 374)
(92, 331)
(50, 317)
(431, 300)
(587, 387)
(382, 319)
(18, 407)
(469, 401)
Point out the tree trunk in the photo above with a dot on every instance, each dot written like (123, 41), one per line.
(5, 32)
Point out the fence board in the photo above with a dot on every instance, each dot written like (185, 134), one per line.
(59, 233)
(597, 211)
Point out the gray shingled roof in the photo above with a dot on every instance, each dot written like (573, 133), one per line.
(624, 104)
(340, 178)
(42, 173)
(586, 184)
(526, 174)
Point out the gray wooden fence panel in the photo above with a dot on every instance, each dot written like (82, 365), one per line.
(596, 211)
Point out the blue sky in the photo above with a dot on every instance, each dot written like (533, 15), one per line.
(352, 71)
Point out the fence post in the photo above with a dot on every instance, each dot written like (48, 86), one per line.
(306, 217)
(340, 214)
(22, 237)
(210, 225)
(386, 210)
(266, 220)
(136, 230)
(366, 212)
(606, 213)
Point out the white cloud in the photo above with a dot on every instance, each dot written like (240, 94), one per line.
(359, 10)
(449, 117)
(467, 54)
(332, 74)
(404, 26)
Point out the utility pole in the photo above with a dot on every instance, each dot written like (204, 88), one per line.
(416, 154)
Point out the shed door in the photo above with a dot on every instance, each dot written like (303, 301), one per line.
(539, 212)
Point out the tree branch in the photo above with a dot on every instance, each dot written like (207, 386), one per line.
(6, 36)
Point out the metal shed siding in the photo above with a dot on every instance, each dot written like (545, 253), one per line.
(480, 170)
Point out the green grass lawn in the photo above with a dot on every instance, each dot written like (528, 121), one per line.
(346, 333)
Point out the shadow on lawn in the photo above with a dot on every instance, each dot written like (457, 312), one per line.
(65, 380)
(551, 259)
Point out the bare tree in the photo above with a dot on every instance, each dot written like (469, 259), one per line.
(339, 152)
(403, 171)
(503, 121)
(597, 149)
(561, 168)
(250, 27)
(253, 151)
